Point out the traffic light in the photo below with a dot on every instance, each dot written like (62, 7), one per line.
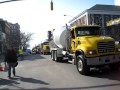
(51, 5)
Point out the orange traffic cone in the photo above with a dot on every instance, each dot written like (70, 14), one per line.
(1, 68)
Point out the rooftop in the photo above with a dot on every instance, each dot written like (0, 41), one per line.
(99, 7)
(105, 7)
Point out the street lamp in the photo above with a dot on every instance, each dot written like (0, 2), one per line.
(68, 15)
(72, 17)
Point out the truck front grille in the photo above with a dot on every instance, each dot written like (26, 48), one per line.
(104, 47)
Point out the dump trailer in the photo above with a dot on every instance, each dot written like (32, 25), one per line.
(85, 46)
(45, 49)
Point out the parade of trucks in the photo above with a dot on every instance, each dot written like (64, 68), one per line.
(86, 46)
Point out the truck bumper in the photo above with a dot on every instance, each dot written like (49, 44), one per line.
(103, 60)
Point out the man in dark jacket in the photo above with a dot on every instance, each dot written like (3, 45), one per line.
(11, 60)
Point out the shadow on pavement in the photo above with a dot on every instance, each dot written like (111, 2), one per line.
(106, 73)
(19, 79)
(32, 80)
(7, 81)
(64, 62)
(32, 57)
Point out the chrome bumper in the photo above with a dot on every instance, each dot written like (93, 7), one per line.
(103, 60)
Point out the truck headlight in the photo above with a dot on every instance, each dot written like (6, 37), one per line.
(117, 49)
(91, 52)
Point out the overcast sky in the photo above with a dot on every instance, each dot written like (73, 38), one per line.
(35, 16)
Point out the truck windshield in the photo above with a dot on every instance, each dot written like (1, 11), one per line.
(45, 43)
(83, 31)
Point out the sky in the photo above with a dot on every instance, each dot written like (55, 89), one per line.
(35, 16)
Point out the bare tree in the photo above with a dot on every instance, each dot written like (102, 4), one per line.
(25, 39)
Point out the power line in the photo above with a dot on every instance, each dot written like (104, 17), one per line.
(8, 1)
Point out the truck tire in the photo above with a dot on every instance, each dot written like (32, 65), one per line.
(56, 58)
(82, 66)
(115, 66)
(52, 55)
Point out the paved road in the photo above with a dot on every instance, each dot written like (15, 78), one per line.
(40, 72)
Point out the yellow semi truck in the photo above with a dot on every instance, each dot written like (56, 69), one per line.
(86, 46)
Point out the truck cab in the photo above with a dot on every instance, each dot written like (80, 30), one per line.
(45, 49)
(92, 49)
(90, 40)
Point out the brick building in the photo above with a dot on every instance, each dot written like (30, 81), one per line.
(5, 29)
(9, 35)
(15, 35)
(2, 37)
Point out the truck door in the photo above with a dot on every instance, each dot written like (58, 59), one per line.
(73, 43)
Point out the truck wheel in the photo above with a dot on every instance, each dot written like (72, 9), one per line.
(52, 55)
(56, 58)
(82, 66)
(114, 67)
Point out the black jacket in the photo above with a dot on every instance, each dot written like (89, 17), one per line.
(11, 56)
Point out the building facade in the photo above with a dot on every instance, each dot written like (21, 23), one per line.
(113, 29)
(97, 15)
(9, 35)
(5, 35)
(15, 35)
(2, 37)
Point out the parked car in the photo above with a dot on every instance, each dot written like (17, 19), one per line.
(27, 52)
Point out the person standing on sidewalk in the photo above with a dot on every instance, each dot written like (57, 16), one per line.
(11, 60)
(21, 53)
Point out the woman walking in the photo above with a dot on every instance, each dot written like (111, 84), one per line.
(11, 60)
